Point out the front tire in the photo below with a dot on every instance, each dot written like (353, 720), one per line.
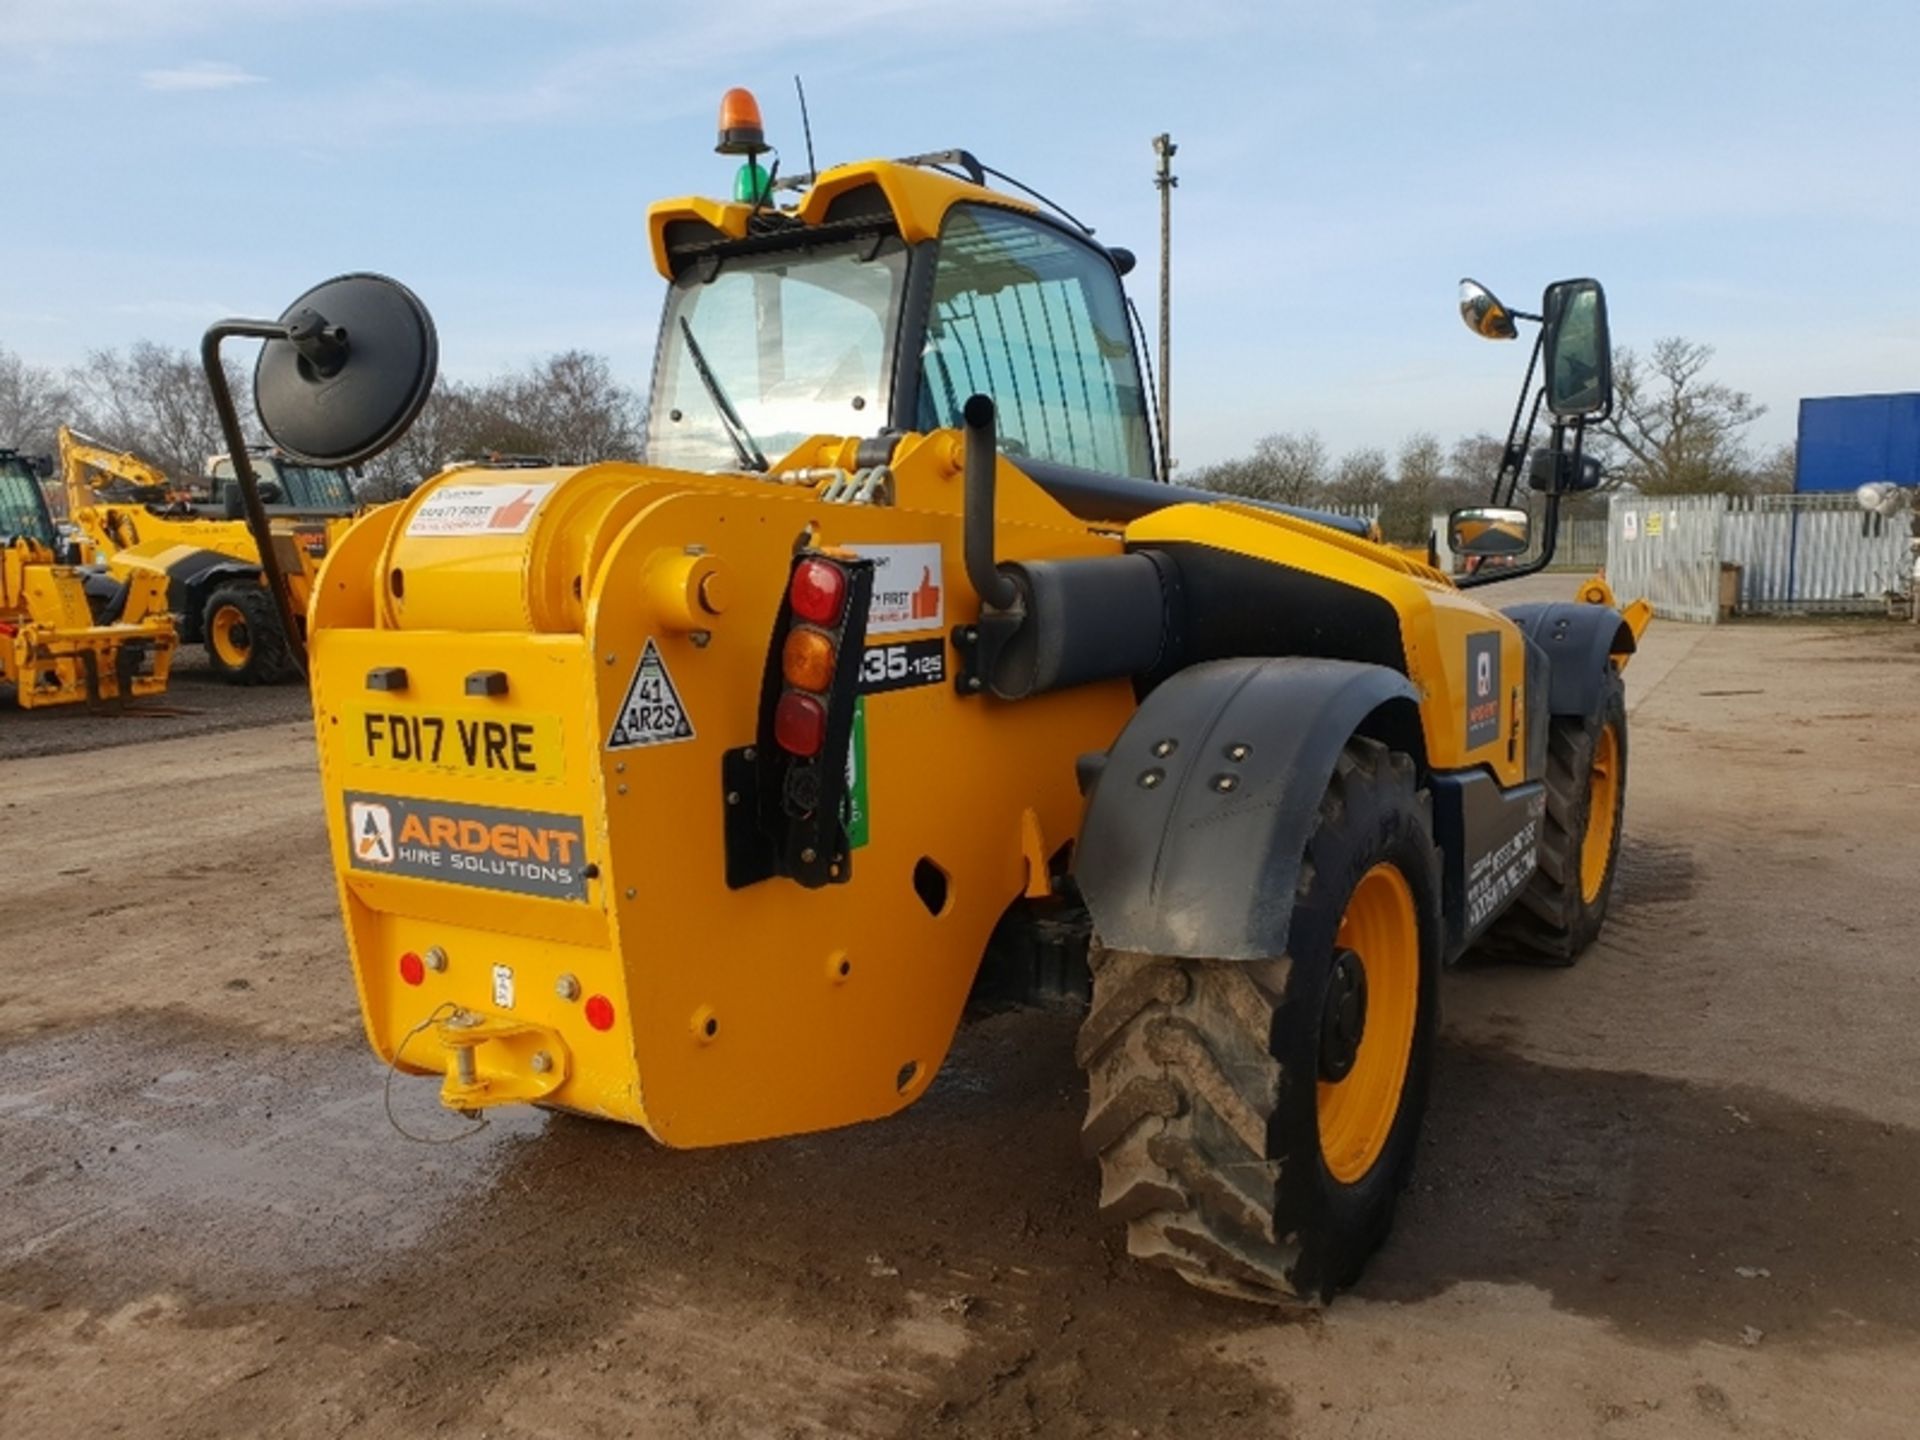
(1255, 1122)
(1563, 907)
(243, 637)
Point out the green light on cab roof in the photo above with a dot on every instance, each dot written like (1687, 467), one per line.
(752, 185)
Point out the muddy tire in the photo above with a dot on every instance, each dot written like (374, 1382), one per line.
(1560, 912)
(241, 629)
(1224, 1147)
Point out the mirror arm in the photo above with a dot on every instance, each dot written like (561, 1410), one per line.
(1511, 456)
(1550, 542)
(243, 468)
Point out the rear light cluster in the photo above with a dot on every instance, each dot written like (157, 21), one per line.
(786, 793)
(810, 655)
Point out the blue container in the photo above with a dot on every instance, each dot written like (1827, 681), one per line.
(1848, 440)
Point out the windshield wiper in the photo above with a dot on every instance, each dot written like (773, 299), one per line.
(750, 454)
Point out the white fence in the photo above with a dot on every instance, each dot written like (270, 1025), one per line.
(1794, 553)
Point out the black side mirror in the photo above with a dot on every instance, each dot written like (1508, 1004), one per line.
(1579, 351)
(1553, 472)
(42, 466)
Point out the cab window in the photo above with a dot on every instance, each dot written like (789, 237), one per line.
(1032, 317)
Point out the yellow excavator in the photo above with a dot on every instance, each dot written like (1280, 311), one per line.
(57, 645)
(698, 794)
(137, 520)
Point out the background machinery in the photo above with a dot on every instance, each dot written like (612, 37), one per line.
(53, 648)
(691, 793)
(136, 519)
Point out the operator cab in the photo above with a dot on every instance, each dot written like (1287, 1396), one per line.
(286, 488)
(877, 304)
(23, 503)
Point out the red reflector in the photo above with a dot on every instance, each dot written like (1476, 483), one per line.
(599, 1012)
(412, 968)
(819, 591)
(800, 724)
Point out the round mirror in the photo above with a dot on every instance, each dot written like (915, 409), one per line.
(350, 378)
(1484, 313)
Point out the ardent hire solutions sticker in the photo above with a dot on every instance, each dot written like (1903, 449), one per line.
(525, 852)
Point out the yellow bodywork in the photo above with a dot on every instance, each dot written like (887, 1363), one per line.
(153, 539)
(736, 1014)
(51, 650)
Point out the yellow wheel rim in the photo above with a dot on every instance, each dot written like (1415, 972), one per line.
(1603, 801)
(227, 635)
(1357, 1112)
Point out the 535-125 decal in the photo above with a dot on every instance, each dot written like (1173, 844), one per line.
(903, 665)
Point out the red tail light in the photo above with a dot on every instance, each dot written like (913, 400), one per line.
(818, 592)
(800, 724)
(599, 1012)
(412, 968)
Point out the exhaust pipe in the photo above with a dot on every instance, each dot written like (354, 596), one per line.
(997, 590)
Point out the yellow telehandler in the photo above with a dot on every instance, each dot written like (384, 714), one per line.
(690, 793)
(138, 521)
(54, 648)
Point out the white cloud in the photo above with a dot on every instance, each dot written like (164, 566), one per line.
(200, 75)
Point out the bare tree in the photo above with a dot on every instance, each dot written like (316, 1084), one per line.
(155, 402)
(1776, 470)
(1288, 468)
(1674, 431)
(1361, 478)
(1407, 509)
(34, 402)
(568, 409)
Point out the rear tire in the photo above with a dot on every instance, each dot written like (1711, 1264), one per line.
(242, 633)
(1223, 1146)
(1563, 907)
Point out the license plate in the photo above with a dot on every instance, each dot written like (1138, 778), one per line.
(457, 741)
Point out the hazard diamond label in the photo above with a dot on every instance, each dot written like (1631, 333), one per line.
(652, 713)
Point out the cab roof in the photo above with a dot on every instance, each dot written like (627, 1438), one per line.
(908, 199)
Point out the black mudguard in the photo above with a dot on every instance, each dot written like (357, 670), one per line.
(1187, 851)
(1578, 640)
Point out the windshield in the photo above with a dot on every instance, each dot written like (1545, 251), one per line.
(301, 487)
(23, 509)
(797, 343)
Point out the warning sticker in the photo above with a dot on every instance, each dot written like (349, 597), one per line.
(652, 713)
(524, 851)
(1655, 524)
(908, 593)
(478, 510)
(1630, 525)
(1483, 689)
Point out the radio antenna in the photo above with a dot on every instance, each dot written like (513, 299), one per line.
(806, 128)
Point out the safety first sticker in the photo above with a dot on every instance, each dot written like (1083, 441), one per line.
(478, 510)
(526, 852)
(908, 593)
(652, 713)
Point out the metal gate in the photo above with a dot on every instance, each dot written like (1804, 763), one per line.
(1814, 553)
(1667, 549)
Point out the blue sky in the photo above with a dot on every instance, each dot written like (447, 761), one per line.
(1738, 173)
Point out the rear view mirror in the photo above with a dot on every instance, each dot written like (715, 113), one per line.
(350, 372)
(1488, 531)
(1484, 313)
(42, 466)
(1579, 352)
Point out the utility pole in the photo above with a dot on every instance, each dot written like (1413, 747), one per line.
(1164, 180)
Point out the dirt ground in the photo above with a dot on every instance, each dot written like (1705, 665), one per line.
(197, 702)
(1675, 1191)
